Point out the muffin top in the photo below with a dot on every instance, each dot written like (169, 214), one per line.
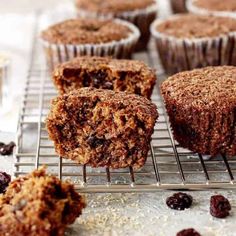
(86, 31)
(202, 88)
(216, 5)
(98, 63)
(113, 6)
(196, 26)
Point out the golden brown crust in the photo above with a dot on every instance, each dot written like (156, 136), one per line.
(102, 128)
(202, 108)
(86, 31)
(197, 26)
(216, 5)
(119, 75)
(38, 205)
(113, 6)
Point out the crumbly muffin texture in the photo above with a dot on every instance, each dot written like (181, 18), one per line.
(102, 127)
(202, 109)
(85, 31)
(113, 6)
(216, 5)
(197, 26)
(119, 75)
(38, 205)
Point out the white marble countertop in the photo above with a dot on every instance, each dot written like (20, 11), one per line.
(130, 214)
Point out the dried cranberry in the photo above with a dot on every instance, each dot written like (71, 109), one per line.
(188, 232)
(179, 201)
(7, 149)
(219, 206)
(5, 179)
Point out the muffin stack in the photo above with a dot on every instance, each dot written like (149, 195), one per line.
(104, 117)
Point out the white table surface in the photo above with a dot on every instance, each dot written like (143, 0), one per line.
(122, 214)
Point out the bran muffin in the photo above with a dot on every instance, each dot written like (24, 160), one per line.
(201, 105)
(188, 41)
(213, 7)
(119, 75)
(178, 6)
(78, 37)
(38, 205)
(139, 12)
(102, 128)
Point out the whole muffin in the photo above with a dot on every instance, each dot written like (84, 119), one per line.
(79, 37)
(214, 7)
(201, 105)
(102, 128)
(39, 205)
(130, 76)
(188, 41)
(178, 6)
(139, 12)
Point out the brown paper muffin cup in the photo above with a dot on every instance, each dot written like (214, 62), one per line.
(178, 6)
(59, 53)
(186, 54)
(191, 7)
(141, 18)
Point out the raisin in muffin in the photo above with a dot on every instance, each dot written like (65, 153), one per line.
(201, 105)
(188, 41)
(77, 37)
(101, 128)
(38, 205)
(139, 12)
(119, 75)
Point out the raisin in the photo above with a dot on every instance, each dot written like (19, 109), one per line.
(59, 192)
(179, 201)
(219, 206)
(5, 179)
(137, 90)
(94, 142)
(98, 78)
(188, 232)
(122, 75)
(7, 149)
(71, 72)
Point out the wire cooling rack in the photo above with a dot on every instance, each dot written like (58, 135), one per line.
(168, 165)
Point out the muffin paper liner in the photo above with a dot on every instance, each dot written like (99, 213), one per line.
(59, 53)
(142, 18)
(179, 54)
(202, 11)
(178, 6)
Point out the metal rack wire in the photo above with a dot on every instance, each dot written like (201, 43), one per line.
(168, 165)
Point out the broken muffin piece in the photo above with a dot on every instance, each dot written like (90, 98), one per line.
(102, 127)
(38, 205)
(99, 72)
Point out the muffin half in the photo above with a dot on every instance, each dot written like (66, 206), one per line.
(201, 105)
(188, 41)
(139, 12)
(91, 37)
(39, 205)
(100, 127)
(99, 72)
